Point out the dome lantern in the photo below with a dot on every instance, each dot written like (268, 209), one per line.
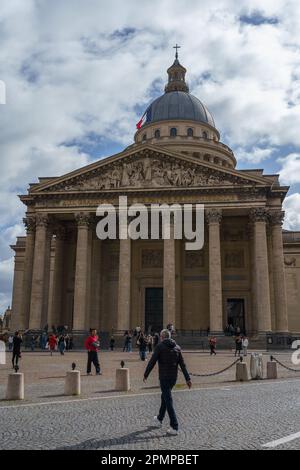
(176, 75)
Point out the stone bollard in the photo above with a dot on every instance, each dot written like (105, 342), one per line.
(122, 380)
(15, 386)
(72, 383)
(271, 370)
(242, 372)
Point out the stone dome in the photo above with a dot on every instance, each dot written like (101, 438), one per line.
(179, 105)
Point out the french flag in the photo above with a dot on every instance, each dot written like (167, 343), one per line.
(145, 118)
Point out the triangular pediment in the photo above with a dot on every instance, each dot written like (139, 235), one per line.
(148, 167)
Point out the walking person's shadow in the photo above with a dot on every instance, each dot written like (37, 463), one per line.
(101, 444)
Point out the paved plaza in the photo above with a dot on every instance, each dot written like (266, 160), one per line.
(218, 413)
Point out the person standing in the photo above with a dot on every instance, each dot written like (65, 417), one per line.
(52, 343)
(245, 344)
(92, 346)
(212, 345)
(32, 343)
(168, 355)
(10, 342)
(142, 344)
(238, 345)
(150, 343)
(112, 343)
(125, 347)
(67, 340)
(16, 355)
(61, 345)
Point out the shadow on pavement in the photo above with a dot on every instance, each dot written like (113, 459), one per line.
(134, 437)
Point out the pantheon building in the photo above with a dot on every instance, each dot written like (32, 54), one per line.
(246, 275)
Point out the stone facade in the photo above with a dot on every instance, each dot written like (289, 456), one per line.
(247, 273)
(65, 275)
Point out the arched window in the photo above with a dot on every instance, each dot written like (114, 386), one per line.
(205, 135)
(173, 132)
(190, 132)
(157, 134)
(144, 138)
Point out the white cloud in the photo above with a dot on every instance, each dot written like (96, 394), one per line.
(292, 216)
(255, 155)
(290, 170)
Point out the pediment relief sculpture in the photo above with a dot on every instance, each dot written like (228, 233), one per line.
(148, 172)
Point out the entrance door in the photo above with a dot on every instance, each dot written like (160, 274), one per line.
(236, 314)
(153, 309)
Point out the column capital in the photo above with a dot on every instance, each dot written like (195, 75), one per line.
(213, 216)
(29, 222)
(42, 220)
(258, 214)
(276, 217)
(83, 219)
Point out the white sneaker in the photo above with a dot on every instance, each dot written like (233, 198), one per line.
(172, 431)
(157, 422)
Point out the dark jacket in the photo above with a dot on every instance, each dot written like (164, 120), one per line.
(17, 341)
(143, 344)
(169, 357)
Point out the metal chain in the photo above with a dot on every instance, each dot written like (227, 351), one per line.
(214, 373)
(284, 366)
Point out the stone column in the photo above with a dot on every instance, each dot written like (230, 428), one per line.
(47, 276)
(124, 288)
(271, 280)
(96, 285)
(214, 217)
(280, 300)
(169, 279)
(28, 267)
(55, 304)
(252, 327)
(38, 274)
(81, 271)
(262, 285)
(16, 322)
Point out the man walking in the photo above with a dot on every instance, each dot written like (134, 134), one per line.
(92, 346)
(169, 357)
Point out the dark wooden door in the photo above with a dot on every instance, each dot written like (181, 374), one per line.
(154, 309)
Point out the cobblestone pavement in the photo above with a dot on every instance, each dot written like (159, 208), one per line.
(241, 417)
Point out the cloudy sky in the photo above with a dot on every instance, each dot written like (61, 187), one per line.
(79, 74)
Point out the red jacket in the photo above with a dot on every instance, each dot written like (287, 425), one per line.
(89, 343)
(52, 342)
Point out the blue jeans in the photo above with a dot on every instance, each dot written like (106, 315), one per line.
(166, 386)
(143, 355)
